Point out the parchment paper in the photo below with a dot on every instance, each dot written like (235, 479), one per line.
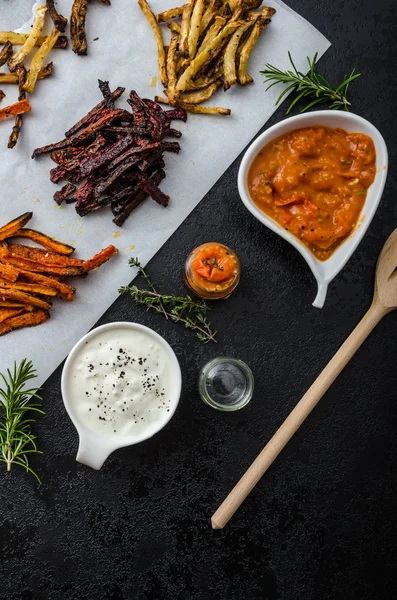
(125, 54)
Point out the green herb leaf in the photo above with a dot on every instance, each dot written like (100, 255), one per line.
(180, 309)
(16, 403)
(312, 86)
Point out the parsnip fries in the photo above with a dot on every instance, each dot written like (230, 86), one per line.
(19, 75)
(210, 47)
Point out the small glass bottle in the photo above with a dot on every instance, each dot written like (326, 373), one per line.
(212, 271)
(226, 384)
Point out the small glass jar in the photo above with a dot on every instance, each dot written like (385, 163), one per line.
(226, 384)
(212, 271)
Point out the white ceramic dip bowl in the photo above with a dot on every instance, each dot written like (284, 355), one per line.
(323, 271)
(95, 446)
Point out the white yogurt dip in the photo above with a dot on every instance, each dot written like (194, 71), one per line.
(119, 383)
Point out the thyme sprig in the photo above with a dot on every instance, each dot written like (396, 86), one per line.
(17, 404)
(180, 309)
(312, 86)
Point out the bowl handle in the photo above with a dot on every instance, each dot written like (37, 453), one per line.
(92, 451)
(321, 294)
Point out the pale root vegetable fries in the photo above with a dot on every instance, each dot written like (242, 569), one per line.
(18, 39)
(161, 56)
(38, 60)
(45, 71)
(18, 73)
(167, 15)
(37, 28)
(30, 277)
(211, 42)
(229, 59)
(260, 24)
(183, 42)
(194, 28)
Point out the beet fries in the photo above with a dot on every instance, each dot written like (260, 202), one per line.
(115, 156)
(31, 276)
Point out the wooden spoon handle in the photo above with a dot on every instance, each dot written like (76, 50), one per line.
(297, 416)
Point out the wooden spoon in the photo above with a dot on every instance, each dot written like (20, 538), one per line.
(384, 301)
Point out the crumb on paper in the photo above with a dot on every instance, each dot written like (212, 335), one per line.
(95, 39)
(116, 234)
(38, 200)
(61, 207)
(192, 162)
(153, 81)
(131, 248)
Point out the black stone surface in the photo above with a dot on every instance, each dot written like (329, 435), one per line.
(322, 523)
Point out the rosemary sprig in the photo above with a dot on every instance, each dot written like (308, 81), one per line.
(180, 309)
(312, 86)
(17, 441)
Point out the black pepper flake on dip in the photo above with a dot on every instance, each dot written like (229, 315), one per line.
(115, 156)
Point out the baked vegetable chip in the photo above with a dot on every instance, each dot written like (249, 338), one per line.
(216, 38)
(37, 27)
(77, 27)
(28, 319)
(161, 56)
(259, 26)
(10, 228)
(7, 313)
(42, 239)
(18, 39)
(229, 59)
(20, 107)
(168, 15)
(38, 60)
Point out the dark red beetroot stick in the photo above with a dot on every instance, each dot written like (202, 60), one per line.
(176, 113)
(126, 130)
(106, 156)
(63, 193)
(138, 108)
(137, 200)
(62, 156)
(66, 168)
(152, 190)
(115, 153)
(108, 115)
(133, 151)
(170, 146)
(85, 193)
(103, 185)
(116, 94)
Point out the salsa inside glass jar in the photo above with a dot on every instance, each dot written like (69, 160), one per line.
(212, 271)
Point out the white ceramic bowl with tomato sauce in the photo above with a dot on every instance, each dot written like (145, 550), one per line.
(323, 271)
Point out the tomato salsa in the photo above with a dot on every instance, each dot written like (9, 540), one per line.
(313, 182)
(212, 271)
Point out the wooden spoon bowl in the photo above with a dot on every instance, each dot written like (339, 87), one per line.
(386, 275)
